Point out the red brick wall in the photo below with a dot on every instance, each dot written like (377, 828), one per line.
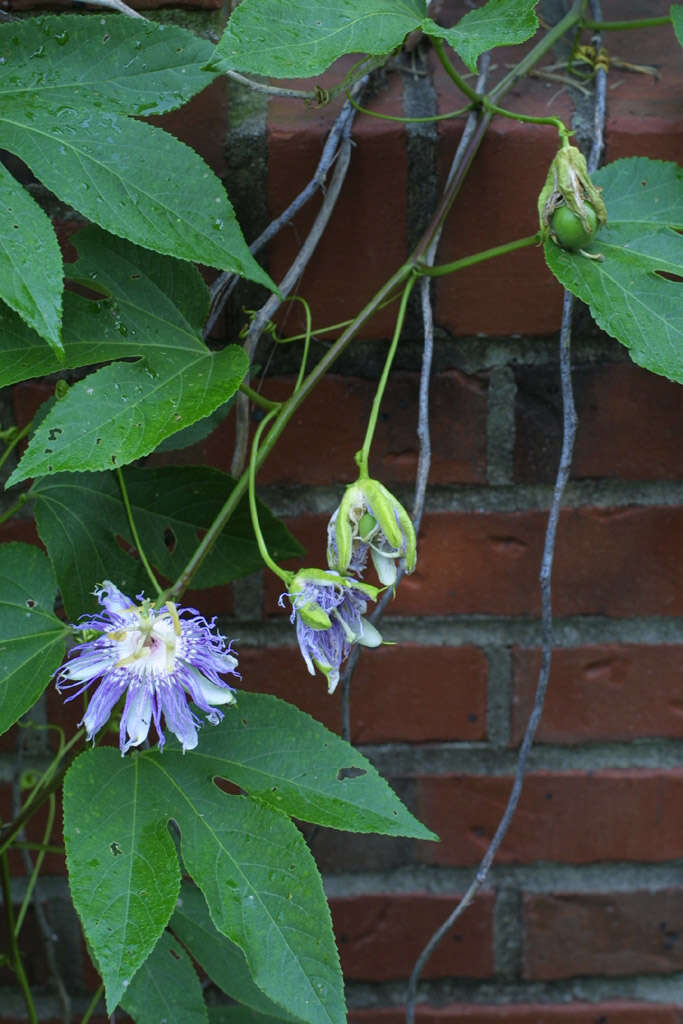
(582, 920)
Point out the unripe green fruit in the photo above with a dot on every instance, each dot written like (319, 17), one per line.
(568, 229)
(366, 525)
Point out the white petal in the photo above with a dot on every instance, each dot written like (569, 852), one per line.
(227, 662)
(385, 568)
(213, 694)
(370, 637)
(86, 667)
(138, 716)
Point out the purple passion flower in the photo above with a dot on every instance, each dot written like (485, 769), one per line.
(328, 610)
(159, 658)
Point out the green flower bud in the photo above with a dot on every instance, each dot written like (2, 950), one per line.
(371, 520)
(568, 186)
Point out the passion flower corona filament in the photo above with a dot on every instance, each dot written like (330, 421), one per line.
(159, 658)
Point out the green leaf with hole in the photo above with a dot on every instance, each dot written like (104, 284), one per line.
(81, 520)
(303, 37)
(222, 960)
(124, 410)
(251, 863)
(309, 773)
(497, 23)
(635, 293)
(30, 262)
(164, 303)
(32, 638)
(133, 179)
(166, 988)
(105, 62)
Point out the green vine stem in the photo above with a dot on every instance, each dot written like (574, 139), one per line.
(462, 85)
(134, 533)
(555, 122)
(285, 414)
(15, 955)
(14, 442)
(21, 500)
(38, 864)
(258, 399)
(407, 120)
(599, 26)
(364, 454)
(92, 1005)
(386, 293)
(286, 577)
(440, 270)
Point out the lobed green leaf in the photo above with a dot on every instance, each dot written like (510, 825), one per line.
(102, 62)
(303, 37)
(124, 410)
(284, 758)
(251, 863)
(81, 519)
(222, 960)
(635, 293)
(99, 162)
(30, 262)
(497, 23)
(32, 638)
(166, 988)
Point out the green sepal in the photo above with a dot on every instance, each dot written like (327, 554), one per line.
(383, 506)
(331, 579)
(313, 615)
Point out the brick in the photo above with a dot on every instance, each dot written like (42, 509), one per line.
(614, 438)
(568, 817)
(597, 693)
(572, 934)
(21, 530)
(613, 1012)
(609, 561)
(323, 436)
(349, 265)
(616, 562)
(404, 694)
(381, 935)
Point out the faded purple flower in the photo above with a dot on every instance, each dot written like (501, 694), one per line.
(328, 610)
(158, 658)
(371, 521)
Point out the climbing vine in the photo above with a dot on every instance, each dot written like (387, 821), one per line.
(165, 866)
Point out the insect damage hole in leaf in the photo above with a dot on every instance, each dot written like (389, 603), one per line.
(350, 773)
